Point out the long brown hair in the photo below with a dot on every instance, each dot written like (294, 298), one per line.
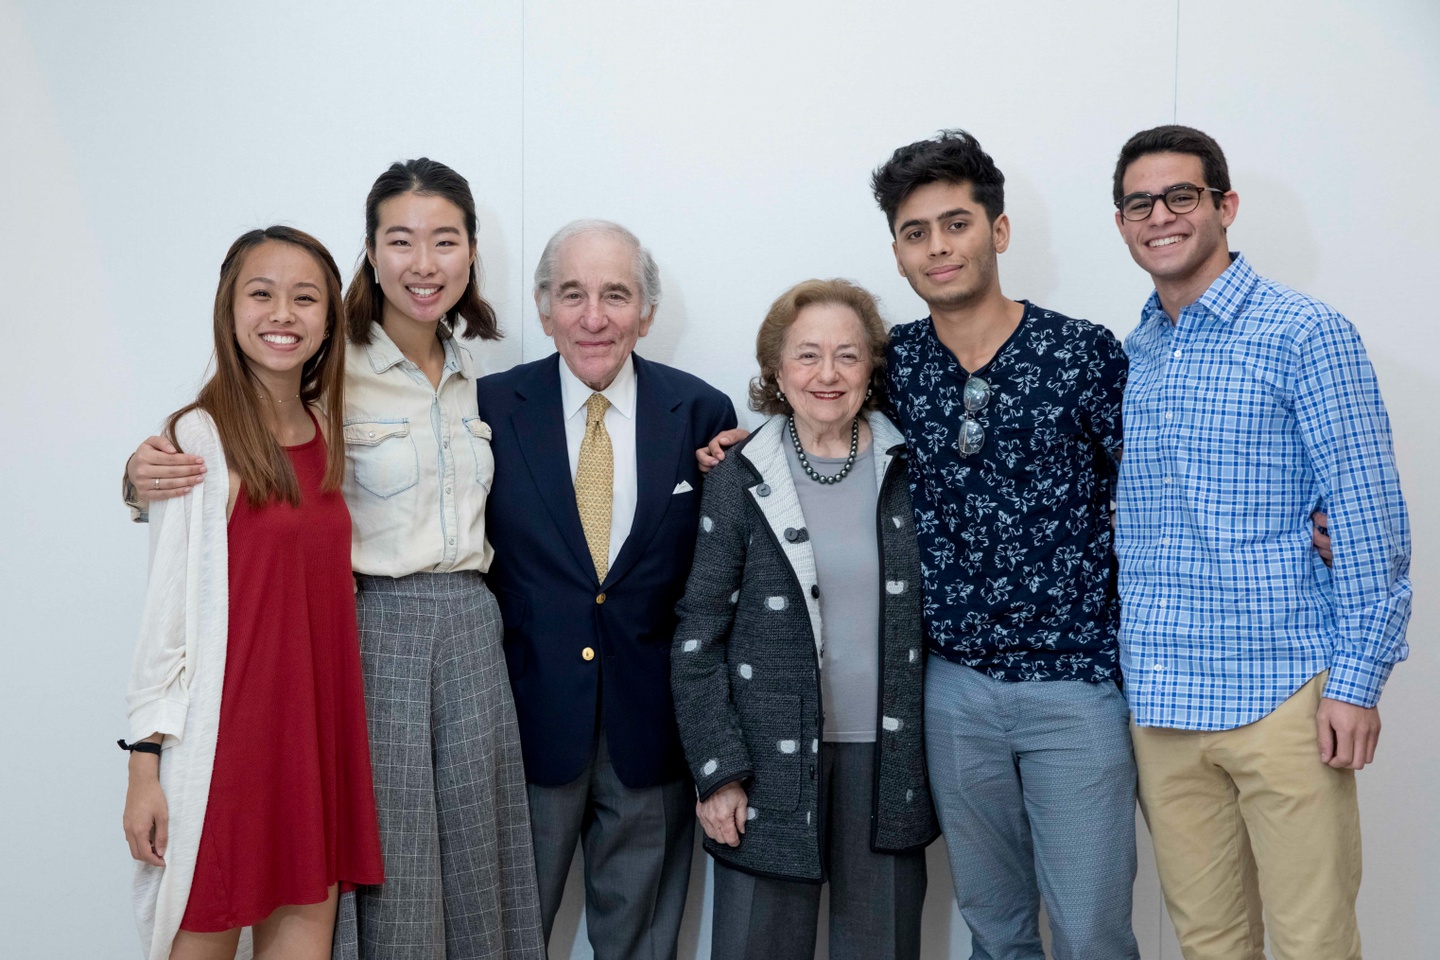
(364, 300)
(231, 399)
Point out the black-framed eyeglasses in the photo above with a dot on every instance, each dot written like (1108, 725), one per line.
(972, 433)
(1181, 198)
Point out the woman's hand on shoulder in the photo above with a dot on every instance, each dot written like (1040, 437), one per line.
(723, 813)
(147, 815)
(158, 471)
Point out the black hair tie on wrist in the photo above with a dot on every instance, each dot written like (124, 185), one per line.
(143, 746)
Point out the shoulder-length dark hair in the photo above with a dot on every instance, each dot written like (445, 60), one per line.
(231, 396)
(364, 300)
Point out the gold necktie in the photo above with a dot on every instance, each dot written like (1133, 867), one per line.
(594, 481)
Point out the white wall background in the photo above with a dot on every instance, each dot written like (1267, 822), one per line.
(138, 139)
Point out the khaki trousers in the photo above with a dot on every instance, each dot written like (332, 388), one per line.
(1249, 816)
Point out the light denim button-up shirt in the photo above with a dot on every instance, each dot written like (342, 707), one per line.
(418, 463)
(1258, 406)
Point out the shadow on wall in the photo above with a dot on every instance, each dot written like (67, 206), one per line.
(943, 933)
(498, 277)
(1399, 838)
(1273, 230)
(496, 272)
(1029, 268)
(671, 319)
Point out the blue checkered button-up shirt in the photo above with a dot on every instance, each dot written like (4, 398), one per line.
(1255, 408)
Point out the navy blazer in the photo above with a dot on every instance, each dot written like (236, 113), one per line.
(544, 579)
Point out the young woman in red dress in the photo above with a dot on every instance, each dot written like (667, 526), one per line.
(251, 802)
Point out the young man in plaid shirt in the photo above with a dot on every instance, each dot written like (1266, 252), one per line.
(1253, 671)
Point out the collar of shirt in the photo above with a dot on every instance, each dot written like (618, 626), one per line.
(384, 354)
(574, 394)
(1223, 300)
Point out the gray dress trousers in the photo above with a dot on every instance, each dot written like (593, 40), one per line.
(449, 780)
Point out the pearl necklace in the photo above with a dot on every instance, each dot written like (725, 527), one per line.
(805, 462)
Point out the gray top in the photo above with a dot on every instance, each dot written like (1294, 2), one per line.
(840, 518)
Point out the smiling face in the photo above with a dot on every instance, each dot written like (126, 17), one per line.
(1183, 253)
(595, 310)
(825, 367)
(946, 246)
(280, 310)
(423, 256)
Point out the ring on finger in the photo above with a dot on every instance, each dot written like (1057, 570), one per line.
(157, 482)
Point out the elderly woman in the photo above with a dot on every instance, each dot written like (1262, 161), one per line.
(797, 665)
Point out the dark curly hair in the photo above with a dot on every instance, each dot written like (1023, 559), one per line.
(951, 156)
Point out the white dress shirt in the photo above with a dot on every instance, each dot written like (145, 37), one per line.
(620, 424)
(418, 463)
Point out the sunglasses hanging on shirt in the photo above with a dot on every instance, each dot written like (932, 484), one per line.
(972, 433)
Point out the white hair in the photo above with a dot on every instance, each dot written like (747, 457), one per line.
(647, 273)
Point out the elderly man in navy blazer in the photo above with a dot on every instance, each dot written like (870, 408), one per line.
(593, 517)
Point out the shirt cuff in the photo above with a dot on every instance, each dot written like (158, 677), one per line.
(1357, 680)
(139, 512)
(165, 717)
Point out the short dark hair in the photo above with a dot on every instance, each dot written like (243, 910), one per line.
(1174, 138)
(951, 156)
(364, 301)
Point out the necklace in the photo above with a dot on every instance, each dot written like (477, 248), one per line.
(285, 400)
(805, 461)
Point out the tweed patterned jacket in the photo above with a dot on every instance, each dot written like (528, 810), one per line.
(747, 654)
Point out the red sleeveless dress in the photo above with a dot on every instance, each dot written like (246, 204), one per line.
(292, 802)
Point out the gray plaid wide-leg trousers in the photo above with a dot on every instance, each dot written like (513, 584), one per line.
(449, 780)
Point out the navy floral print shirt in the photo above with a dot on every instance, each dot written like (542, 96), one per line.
(1015, 539)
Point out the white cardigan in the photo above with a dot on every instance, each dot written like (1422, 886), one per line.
(178, 674)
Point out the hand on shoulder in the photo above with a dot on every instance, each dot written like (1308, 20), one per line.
(713, 452)
(158, 471)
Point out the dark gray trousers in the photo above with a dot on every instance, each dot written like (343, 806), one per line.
(875, 898)
(637, 846)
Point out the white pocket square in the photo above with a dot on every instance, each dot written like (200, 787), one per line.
(682, 487)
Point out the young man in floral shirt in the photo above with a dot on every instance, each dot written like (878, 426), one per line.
(1012, 416)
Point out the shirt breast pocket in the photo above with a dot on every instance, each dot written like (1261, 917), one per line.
(479, 433)
(383, 456)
